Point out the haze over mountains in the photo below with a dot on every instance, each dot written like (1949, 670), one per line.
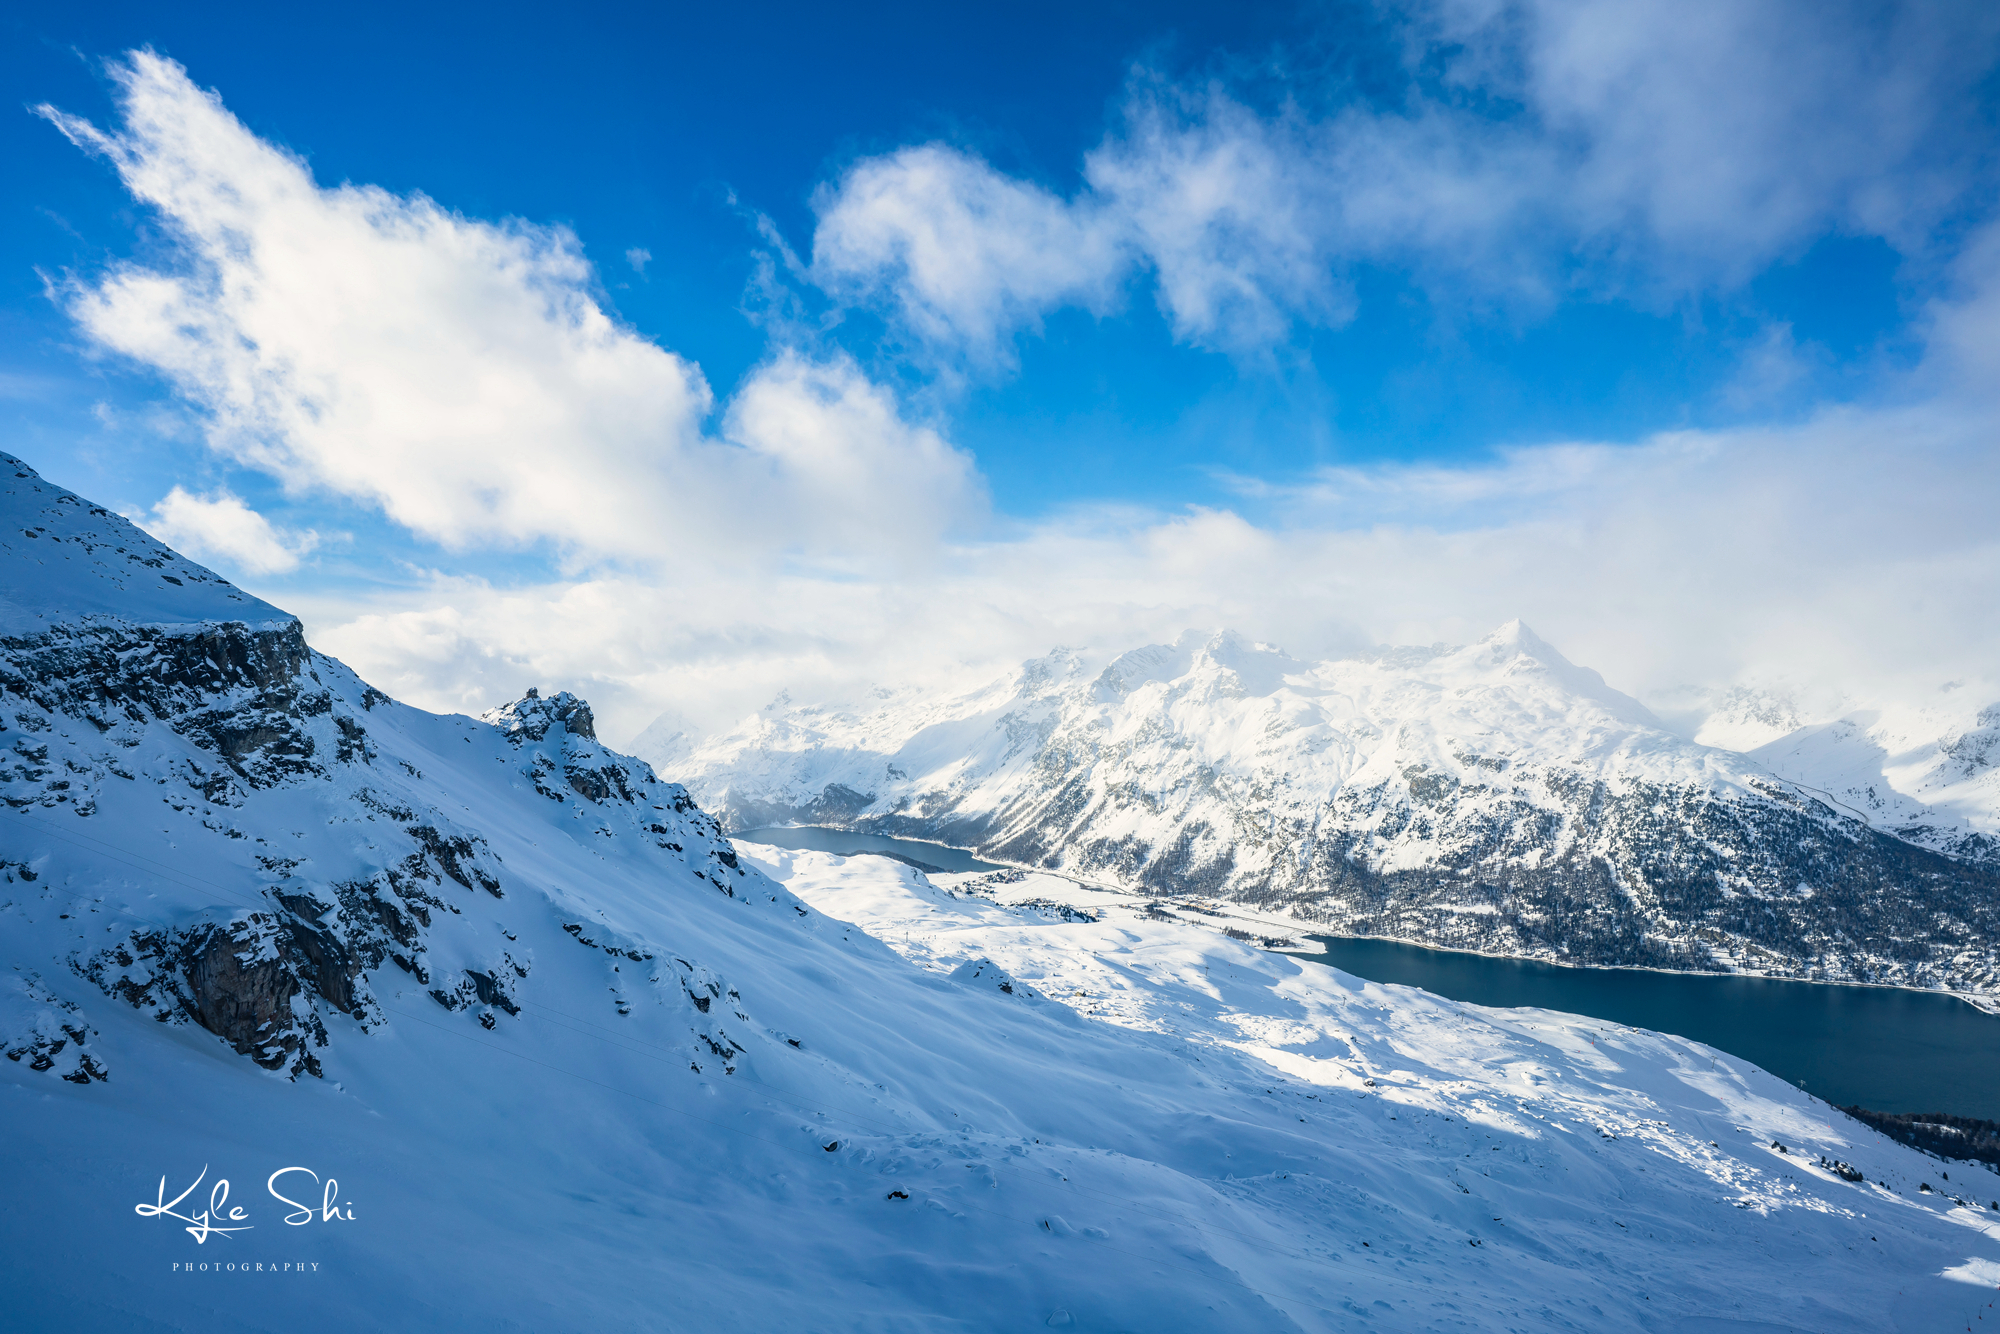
(553, 1054)
(1493, 796)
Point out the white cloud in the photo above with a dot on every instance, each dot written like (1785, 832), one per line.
(1850, 553)
(1225, 208)
(457, 373)
(1653, 147)
(1771, 367)
(968, 254)
(639, 257)
(966, 257)
(221, 527)
(834, 457)
(1718, 134)
(462, 376)
(1963, 326)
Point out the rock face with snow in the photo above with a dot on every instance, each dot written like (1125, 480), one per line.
(1494, 797)
(201, 717)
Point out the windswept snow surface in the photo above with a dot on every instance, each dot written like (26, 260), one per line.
(1493, 796)
(524, 1044)
(69, 560)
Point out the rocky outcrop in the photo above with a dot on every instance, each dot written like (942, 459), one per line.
(530, 717)
(47, 1033)
(559, 740)
(248, 698)
(240, 988)
(254, 981)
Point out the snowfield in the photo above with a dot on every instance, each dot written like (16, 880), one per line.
(487, 1026)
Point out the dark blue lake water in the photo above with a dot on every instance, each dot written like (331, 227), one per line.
(811, 838)
(1885, 1048)
(1882, 1047)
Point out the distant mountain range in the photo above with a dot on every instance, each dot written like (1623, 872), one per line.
(1494, 797)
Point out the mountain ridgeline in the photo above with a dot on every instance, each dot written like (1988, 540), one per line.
(1493, 797)
(295, 830)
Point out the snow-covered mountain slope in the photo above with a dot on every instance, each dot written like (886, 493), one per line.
(1494, 797)
(71, 562)
(1473, 1133)
(483, 1026)
(1929, 774)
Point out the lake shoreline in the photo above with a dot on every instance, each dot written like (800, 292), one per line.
(1894, 1049)
(1984, 1002)
(1870, 1044)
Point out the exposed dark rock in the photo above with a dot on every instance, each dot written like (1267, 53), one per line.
(457, 856)
(56, 1036)
(240, 989)
(328, 964)
(490, 991)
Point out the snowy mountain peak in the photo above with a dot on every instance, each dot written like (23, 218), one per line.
(1195, 658)
(1513, 651)
(1975, 750)
(1139, 667)
(1494, 795)
(1743, 718)
(1054, 670)
(66, 559)
(1515, 645)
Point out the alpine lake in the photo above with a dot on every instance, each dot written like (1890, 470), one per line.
(1889, 1049)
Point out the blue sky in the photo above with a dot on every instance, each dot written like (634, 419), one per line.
(1338, 323)
(634, 126)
